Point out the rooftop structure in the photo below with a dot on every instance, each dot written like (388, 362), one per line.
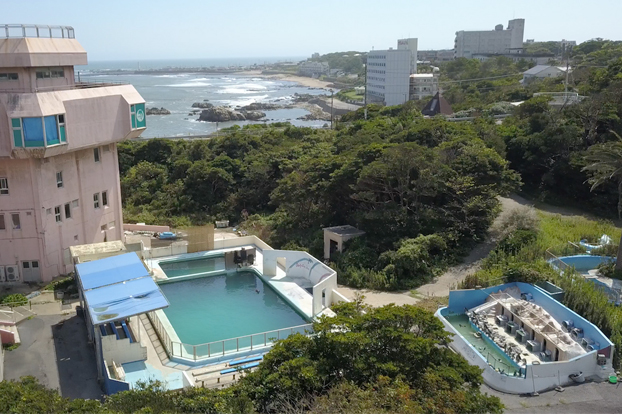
(523, 339)
(59, 173)
(437, 106)
(468, 43)
(335, 237)
(543, 72)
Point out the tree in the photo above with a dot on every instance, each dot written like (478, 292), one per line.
(605, 164)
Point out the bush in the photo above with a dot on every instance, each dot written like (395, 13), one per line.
(517, 240)
(606, 250)
(520, 218)
(16, 299)
(608, 269)
(60, 284)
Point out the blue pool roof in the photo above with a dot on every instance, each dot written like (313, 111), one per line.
(125, 299)
(118, 287)
(110, 270)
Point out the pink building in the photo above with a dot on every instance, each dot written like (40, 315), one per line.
(59, 172)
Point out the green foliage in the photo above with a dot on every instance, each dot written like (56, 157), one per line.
(15, 299)
(349, 62)
(61, 283)
(384, 349)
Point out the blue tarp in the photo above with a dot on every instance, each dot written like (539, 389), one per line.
(110, 270)
(122, 300)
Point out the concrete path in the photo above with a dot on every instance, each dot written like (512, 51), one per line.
(55, 350)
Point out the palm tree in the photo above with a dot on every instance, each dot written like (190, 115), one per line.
(605, 164)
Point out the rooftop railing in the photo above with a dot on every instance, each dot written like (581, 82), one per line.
(77, 85)
(8, 31)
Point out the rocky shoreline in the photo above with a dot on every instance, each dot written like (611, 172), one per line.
(254, 111)
(156, 111)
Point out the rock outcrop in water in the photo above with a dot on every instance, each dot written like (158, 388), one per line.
(259, 106)
(156, 111)
(202, 105)
(222, 114)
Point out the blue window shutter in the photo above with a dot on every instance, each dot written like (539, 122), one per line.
(33, 132)
(51, 130)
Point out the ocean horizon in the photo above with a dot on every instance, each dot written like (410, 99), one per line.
(154, 64)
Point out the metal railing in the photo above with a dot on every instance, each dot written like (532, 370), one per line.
(223, 347)
(8, 31)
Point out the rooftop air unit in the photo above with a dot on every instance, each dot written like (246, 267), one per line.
(511, 327)
(601, 359)
(12, 273)
(521, 336)
(533, 346)
(593, 347)
(585, 342)
(501, 320)
(568, 325)
(576, 333)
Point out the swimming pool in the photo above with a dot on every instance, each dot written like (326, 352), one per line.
(214, 309)
(192, 267)
(492, 353)
(582, 263)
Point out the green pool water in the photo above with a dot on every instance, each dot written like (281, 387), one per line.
(192, 267)
(492, 354)
(215, 308)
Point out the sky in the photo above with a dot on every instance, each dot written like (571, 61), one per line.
(192, 29)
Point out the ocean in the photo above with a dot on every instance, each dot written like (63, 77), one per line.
(178, 91)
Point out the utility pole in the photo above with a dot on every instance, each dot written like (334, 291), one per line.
(365, 110)
(331, 109)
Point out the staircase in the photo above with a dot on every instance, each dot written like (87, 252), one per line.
(9, 318)
(9, 334)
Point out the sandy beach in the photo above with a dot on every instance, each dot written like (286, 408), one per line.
(302, 80)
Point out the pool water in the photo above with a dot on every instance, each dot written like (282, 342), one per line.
(192, 267)
(582, 263)
(494, 356)
(214, 308)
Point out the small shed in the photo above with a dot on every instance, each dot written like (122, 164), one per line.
(334, 237)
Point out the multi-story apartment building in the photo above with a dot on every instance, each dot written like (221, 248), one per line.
(468, 43)
(388, 76)
(423, 85)
(388, 73)
(59, 172)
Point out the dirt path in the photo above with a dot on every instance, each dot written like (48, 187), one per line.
(444, 283)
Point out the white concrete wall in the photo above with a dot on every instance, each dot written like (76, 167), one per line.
(329, 284)
(538, 378)
(122, 351)
(145, 227)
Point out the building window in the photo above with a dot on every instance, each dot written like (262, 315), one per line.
(2, 225)
(106, 148)
(68, 210)
(105, 198)
(59, 179)
(48, 211)
(104, 227)
(75, 204)
(9, 76)
(96, 154)
(50, 73)
(38, 131)
(4, 186)
(96, 200)
(57, 214)
(16, 224)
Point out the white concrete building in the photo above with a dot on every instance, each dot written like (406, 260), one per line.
(410, 44)
(543, 72)
(423, 85)
(315, 69)
(510, 40)
(388, 76)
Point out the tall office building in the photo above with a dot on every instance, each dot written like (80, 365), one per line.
(388, 73)
(510, 40)
(59, 172)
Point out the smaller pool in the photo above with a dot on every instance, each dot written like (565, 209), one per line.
(582, 263)
(491, 352)
(192, 267)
